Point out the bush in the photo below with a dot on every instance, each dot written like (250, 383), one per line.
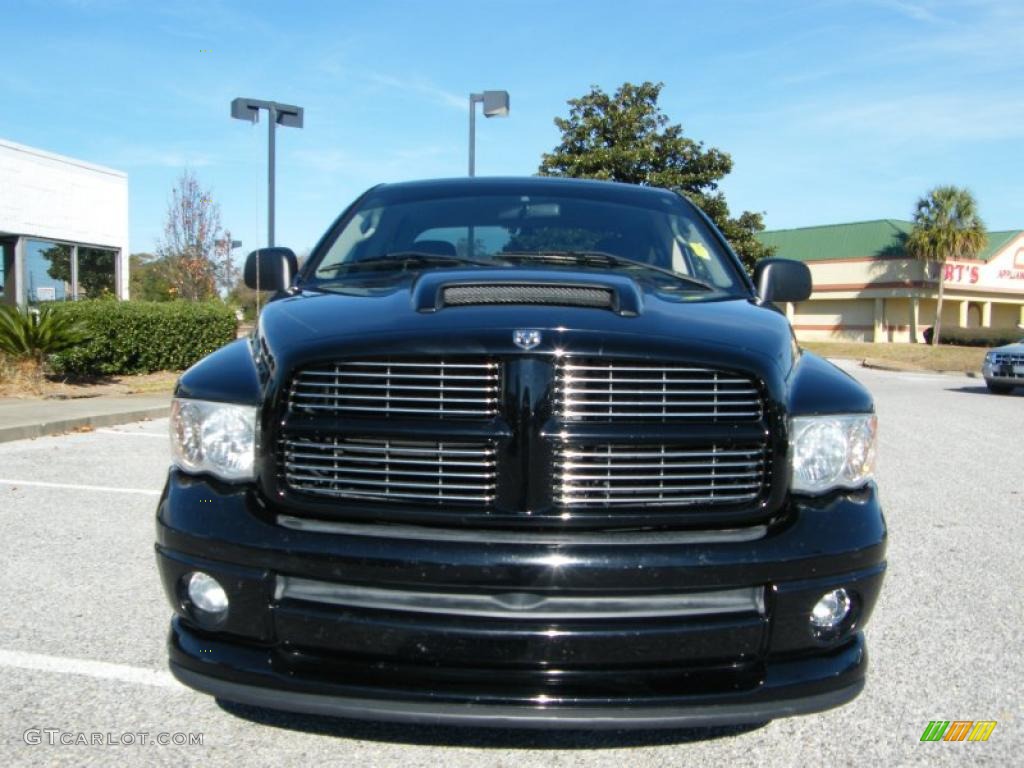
(980, 337)
(144, 336)
(33, 334)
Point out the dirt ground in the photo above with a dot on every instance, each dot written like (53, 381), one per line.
(19, 383)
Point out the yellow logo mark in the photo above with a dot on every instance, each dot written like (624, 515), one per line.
(982, 730)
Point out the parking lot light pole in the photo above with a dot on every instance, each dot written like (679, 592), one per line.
(495, 105)
(285, 114)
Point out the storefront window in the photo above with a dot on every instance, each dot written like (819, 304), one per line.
(6, 255)
(97, 274)
(47, 272)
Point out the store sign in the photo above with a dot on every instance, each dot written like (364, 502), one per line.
(961, 273)
(1004, 271)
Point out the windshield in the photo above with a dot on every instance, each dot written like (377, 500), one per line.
(503, 229)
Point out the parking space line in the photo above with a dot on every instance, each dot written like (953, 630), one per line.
(103, 670)
(71, 486)
(157, 435)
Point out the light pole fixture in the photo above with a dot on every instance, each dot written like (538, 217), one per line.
(284, 114)
(495, 105)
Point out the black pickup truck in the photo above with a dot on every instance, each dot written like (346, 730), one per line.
(528, 452)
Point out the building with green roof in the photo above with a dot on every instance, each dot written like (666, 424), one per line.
(866, 287)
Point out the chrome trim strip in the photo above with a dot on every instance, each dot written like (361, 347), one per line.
(523, 538)
(524, 605)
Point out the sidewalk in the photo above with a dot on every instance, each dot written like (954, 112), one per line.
(23, 419)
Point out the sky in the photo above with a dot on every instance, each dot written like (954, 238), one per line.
(832, 111)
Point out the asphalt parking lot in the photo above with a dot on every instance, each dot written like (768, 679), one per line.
(84, 618)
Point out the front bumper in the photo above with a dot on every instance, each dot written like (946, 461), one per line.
(1008, 381)
(747, 664)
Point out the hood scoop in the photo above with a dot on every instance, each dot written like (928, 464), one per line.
(612, 293)
(527, 293)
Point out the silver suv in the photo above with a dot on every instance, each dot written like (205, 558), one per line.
(1003, 368)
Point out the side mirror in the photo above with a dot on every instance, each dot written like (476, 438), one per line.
(271, 269)
(782, 280)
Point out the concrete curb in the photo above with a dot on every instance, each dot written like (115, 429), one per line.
(60, 426)
(880, 365)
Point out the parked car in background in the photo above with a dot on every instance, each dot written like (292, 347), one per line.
(1003, 368)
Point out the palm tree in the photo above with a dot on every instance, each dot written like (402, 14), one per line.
(946, 226)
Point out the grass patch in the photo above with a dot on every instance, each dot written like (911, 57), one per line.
(912, 357)
(27, 379)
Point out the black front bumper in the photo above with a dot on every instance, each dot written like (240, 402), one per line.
(370, 661)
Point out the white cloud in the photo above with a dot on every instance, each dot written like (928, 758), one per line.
(162, 157)
(422, 87)
(928, 118)
(914, 11)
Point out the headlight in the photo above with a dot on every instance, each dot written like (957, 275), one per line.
(218, 438)
(828, 452)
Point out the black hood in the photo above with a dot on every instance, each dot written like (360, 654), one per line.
(406, 314)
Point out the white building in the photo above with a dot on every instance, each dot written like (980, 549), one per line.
(63, 228)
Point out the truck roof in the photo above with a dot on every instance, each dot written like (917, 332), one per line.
(611, 191)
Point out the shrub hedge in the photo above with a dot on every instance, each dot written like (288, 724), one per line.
(144, 336)
(980, 337)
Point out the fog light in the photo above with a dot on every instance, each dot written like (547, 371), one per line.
(206, 594)
(831, 610)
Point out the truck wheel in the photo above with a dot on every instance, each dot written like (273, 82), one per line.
(999, 389)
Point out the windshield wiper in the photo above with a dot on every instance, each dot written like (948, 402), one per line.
(600, 258)
(404, 260)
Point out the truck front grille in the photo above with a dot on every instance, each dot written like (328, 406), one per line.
(611, 390)
(390, 470)
(406, 388)
(651, 475)
(1011, 362)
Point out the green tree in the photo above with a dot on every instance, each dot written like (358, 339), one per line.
(946, 226)
(626, 137)
(150, 278)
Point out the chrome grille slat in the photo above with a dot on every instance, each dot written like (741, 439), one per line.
(390, 470)
(392, 483)
(670, 392)
(657, 415)
(407, 399)
(665, 402)
(702, 476)
(403, 449)
(407, 388)
(732, 382)
(393, 409)
(440, 471)
(615, 390)
(620, 475)
(681, 453)
(418, 387)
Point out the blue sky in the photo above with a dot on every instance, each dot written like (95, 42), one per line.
(832, 111)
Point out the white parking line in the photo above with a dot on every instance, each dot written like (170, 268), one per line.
(101, 488)
(102, 670)
(157, 435)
